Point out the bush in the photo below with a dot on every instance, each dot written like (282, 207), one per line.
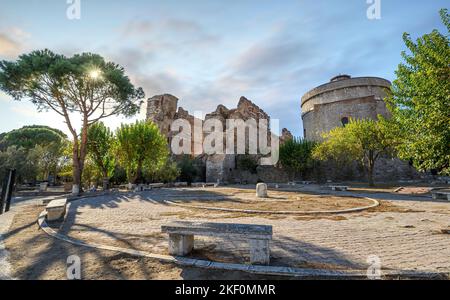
(247, 163)
(188, 171)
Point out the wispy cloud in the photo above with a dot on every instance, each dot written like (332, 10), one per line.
(8, 46)
(12, 42)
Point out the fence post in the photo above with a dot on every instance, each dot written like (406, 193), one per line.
(3, 195)
(12, 181)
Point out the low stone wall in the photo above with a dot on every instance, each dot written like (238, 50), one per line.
(386, 169)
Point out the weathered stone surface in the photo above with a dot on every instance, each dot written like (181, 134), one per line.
(56, 209)
(339, 187)
(218, 229)
(261, 190)
(162, 110)
(324, 107)
(181, 237)
(43, 186)
(286, 135)
(156, 185)
(441, 195)
(259, 252)
(180, 245)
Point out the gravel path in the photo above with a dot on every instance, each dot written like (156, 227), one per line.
(5, 224)
(405, 235)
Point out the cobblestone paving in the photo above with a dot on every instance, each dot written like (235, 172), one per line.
(408, 240)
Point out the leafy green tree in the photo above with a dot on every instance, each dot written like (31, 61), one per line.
(100, 141)
(18, 158)
(296, 156)
(30, 136)
(84, 85)
(420, 100)
(362, 140)
(3, 144)
(140, 146)
(42, 145)
(91, 174)
(168, 172)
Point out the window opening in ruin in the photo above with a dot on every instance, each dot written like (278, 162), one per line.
(344, 121)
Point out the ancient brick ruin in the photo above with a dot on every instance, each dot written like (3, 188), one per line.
(163, 110)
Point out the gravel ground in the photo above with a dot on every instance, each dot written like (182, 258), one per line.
(404, 232)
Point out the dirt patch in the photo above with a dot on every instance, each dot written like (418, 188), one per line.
(315, 217)
(387, 206)
(285, 201)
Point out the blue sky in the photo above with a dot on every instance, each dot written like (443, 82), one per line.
(209, 52)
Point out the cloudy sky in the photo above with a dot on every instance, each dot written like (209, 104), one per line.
(209, 52)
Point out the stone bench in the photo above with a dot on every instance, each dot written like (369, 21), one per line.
(441, 195)
(339, 187)
(56, 209)
(156, 185)
(204, 184)
(306, 182)
(180, 184)
(181, 237)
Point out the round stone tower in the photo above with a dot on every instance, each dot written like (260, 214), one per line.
(333, 104)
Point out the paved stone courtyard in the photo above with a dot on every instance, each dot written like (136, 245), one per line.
(404, 232)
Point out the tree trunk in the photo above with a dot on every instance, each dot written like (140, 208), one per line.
(79, 156)
(370, 176)
(105, 181)
(76, 168)
(370, 167)
(138, 174)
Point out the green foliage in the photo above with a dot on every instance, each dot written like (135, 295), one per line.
(296, 156)
(247, 162)
(42, 147)
(420, 100)
(84, 85)
(100, 151)
(26, 164)
(30, 136)
(361, 140)
(54, 81)
(91, 174)
(168, 172)
(140, 146)
(188, 171)
(119, 175)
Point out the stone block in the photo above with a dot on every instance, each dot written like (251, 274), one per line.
(180, 245)
(56, 210)
(43, 187)
(261, 190)
(156, 185)
(441, 195)
(259, 252)
(339, 188)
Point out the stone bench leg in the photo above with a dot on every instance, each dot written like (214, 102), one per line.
(259, 252)
(180, 245)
